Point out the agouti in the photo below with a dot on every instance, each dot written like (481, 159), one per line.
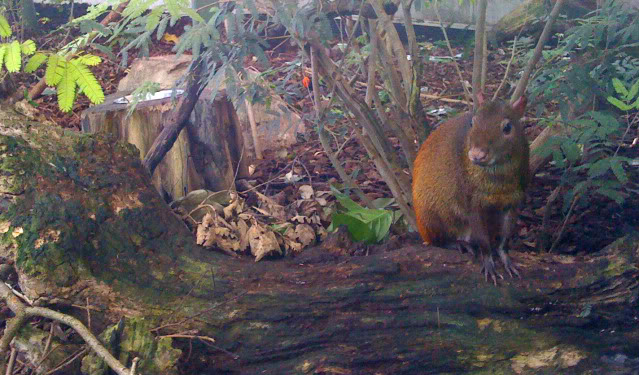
(469, 177)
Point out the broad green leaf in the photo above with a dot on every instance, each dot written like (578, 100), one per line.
(87, 82)
(620, 88)
(34, 62)
(359, 230)
(5, 29)
(13, 59)
(66, 91)
(619, 104)
(56, 67)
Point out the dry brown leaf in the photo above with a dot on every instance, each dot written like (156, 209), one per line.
(305, 234)
(271, 208)
(262, 241)
(306, 191)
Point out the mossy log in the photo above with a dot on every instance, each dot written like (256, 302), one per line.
(83, 225)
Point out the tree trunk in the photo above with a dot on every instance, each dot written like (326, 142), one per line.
(29, 16)
(205, 156)
(83, 225)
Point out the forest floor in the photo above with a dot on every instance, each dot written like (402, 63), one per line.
(592, 225)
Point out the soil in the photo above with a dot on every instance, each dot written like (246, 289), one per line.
(593, 224)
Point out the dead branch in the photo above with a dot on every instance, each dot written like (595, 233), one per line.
(23, 312)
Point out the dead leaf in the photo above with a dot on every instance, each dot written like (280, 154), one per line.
(306, 191)
(262, 241)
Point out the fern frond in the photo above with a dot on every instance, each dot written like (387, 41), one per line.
(13, 59)
(56, 67)
(28, 47)
(34, 62)
(5, 29)
(135, 8)
(87, 82)
(90, 60)
(3, 52)
(153, 20)
(66, 91)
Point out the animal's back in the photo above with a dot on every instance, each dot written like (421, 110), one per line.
(440, 193)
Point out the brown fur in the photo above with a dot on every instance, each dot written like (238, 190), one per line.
(448, 189)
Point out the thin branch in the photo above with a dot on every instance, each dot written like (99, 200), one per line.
(467, 94)
(512, 58)
(523, 82)
(480, 30)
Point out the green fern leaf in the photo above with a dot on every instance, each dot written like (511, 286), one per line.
(34, 62)
(5, 29)
(28, 47)
(13, 59)
(90, 60)
(66, 90)
(173, 7)
(87, 82)
(153, 20)
(3, 52)
(55, 69)
(135, 8)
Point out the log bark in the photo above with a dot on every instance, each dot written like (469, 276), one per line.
(81, 220)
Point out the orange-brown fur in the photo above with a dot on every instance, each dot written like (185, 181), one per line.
(448, 188)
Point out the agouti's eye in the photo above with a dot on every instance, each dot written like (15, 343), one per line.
(507, 128)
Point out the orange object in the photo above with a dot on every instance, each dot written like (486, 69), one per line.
(306, 82)
(468, 179)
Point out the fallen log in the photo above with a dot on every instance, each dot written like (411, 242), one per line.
(82, 222)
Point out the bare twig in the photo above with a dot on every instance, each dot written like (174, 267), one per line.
(67, 361)
(12, 361)
(23, 312)
(563, 226)
(523, 82)
(512, 58)
(134, 365)
(251, 118)
(467, 94)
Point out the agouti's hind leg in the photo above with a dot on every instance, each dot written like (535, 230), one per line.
(508, 263)
(508, 227)
(488, 268)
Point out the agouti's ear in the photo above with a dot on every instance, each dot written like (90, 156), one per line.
(519, 106)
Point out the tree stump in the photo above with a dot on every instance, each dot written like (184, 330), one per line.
(205, 156)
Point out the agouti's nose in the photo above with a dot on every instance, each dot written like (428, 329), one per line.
(478, 156)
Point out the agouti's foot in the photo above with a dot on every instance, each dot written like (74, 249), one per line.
(508, 264)
(488, 269)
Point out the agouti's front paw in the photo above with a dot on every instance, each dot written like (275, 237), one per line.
(488, 269)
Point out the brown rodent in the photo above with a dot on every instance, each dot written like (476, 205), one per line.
(469, 177)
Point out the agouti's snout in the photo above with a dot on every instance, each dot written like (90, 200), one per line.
(480, 157)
